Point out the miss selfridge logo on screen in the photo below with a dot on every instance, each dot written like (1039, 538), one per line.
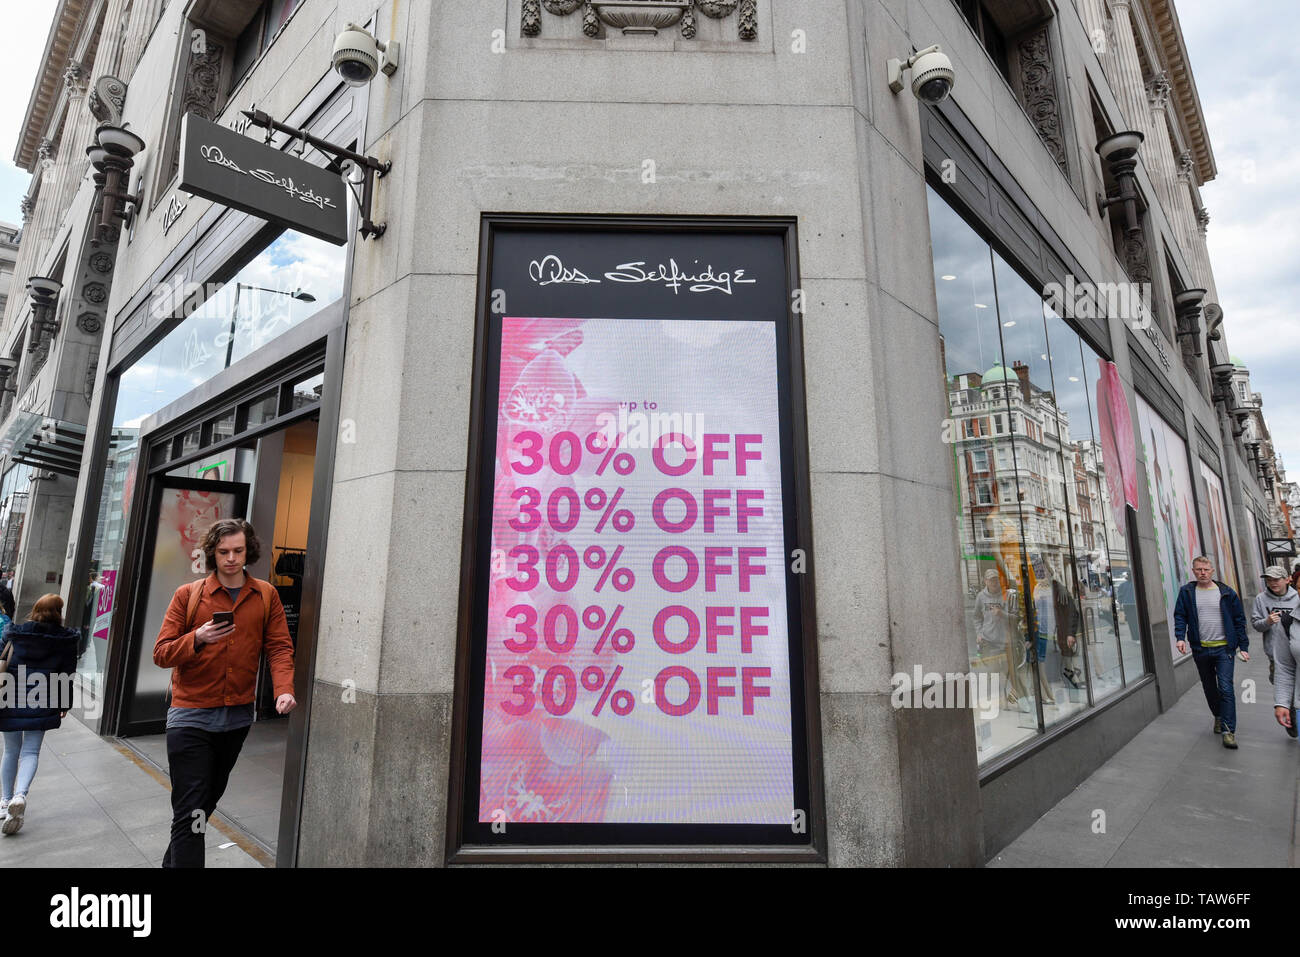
(77, 910)
(550, 270)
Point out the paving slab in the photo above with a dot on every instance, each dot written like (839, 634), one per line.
(1175, 797)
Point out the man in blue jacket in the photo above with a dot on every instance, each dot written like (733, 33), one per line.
(1209, 616)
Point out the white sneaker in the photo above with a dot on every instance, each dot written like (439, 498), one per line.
(13, 821)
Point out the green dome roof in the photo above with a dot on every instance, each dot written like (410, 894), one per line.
(1236, 361)
(999, 373)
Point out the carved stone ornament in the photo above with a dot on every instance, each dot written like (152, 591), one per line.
(531, 18)
(95, 292)
(640, 17)
(107, 100)
(1202, 218)
(1185, 166)
(1135, 259)
(46, 153)
(101, 262)
(717, 9)
(1158, 88)
(202, 80)
(92, 373)
(27, 206)
(90, 322)
(74, 78)
(1038, 87)
(748, 19)
(645, 17)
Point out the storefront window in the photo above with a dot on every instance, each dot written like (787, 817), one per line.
(14, 495)
(1043, 547)
(1220, 540)
(1169, 482)
(292, 279)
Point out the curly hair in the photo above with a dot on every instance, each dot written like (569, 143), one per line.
(230, 526)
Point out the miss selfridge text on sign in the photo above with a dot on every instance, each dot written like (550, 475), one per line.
(243, 173)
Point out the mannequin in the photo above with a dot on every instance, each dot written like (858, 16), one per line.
(1046, 623)
(1069, 631)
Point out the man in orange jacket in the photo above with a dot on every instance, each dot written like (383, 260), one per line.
(214, 677)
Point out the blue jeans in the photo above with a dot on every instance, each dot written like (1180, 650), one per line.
(1215, 666)
(22, 752)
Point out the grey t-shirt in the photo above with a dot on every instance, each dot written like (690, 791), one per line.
(1209, 617)
(230, 717)
(987, 608)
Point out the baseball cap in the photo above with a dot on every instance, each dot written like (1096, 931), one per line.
(1275, 571)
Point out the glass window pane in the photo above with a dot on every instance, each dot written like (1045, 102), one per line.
(307, 392)
(1115, 572)
(1169, 483)
(1092, 559)
(994, 564)
(1041, 471)
(223, 427)
(260, 410)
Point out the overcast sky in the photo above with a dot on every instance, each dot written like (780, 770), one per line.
(27, 24)
(1244, 59)
(1245, 63)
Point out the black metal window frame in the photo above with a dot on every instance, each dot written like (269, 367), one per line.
(670, 843)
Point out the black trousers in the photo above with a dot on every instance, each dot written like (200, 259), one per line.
(200, 763)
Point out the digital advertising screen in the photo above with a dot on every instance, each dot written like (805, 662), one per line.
(636, 647)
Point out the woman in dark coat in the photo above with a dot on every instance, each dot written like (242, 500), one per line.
(33, 700)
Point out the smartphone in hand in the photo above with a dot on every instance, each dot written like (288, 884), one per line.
(223, 617)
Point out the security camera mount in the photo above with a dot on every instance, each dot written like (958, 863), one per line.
(368, 164)
(897, 67)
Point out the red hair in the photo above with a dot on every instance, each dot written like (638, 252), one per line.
(48, 610)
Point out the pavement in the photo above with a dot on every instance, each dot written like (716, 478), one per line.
(1174, 796)
(96, 803)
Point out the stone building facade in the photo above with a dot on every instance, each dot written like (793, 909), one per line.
(196, 343)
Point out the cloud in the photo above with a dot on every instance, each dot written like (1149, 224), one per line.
(1244, 71)
(27, 25)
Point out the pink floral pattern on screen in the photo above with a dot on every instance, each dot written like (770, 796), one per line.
(536, 768)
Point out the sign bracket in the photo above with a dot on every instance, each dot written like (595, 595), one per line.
(372, 167)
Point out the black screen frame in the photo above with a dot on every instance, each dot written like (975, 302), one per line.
(472, 841)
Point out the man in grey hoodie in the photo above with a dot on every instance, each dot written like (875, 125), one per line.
(1274, 612)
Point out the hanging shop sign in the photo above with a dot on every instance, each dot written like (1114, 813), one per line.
(1279, 548)
(246, 174)
(633, 653)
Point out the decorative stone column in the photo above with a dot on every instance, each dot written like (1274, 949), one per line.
(1159, 154)
(1128, 72)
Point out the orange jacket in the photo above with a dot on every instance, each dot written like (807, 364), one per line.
(224, 672)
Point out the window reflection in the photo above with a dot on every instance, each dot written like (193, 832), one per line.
(1046, 574)
(287, 282)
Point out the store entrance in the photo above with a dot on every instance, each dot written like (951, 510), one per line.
(267, 481)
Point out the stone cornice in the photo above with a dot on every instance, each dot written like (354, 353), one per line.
(1185, 101)
(65, 30)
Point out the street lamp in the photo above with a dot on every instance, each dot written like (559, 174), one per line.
(1187, 307)
(1119, 152)
(113, 155)
(45, 297)
(234, 309)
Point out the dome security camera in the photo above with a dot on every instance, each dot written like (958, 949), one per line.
(932, 74)
(357, 56)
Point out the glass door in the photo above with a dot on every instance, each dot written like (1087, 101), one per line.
(180, 511)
